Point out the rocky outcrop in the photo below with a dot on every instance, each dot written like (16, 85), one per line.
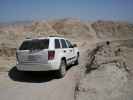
(107, 74)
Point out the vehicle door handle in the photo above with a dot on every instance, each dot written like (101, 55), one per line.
(64, 50)
(70, 50)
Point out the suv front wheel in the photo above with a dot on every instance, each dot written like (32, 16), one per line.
(62, 70)
(77, 60)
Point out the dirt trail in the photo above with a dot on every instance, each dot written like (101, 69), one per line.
(55, 89)
(58, 89)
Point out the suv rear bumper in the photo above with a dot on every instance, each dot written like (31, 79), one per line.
(37, 67)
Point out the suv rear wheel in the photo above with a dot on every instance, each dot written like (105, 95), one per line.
(62, 70)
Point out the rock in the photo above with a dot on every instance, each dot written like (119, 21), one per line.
(103, 84)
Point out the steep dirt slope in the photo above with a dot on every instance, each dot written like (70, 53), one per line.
(109, 72)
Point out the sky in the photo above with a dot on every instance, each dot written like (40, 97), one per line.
(23, 10)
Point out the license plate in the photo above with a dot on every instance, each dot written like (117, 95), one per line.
(31, 58)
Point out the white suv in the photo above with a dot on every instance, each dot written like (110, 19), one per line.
(45, 54)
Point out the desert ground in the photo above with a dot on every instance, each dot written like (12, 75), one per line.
(105, 70)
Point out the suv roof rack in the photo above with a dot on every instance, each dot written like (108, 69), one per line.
(56, 36)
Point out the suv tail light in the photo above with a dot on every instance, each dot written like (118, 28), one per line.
(51, 55)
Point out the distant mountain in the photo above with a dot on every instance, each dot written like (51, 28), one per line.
(71, 27)
(110, 29)
(16, 23)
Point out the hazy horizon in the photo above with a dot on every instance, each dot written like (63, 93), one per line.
(92, 10)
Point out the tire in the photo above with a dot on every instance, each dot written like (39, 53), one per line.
(77, 60)
(62, 71)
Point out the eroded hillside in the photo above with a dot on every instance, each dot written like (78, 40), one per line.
(110, 29)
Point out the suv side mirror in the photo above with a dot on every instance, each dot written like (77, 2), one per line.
(74, 45)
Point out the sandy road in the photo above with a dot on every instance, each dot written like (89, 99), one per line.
(34, 88)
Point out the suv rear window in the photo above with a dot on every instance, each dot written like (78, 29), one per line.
(63, 42)
(57, 43)
(35, 44)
